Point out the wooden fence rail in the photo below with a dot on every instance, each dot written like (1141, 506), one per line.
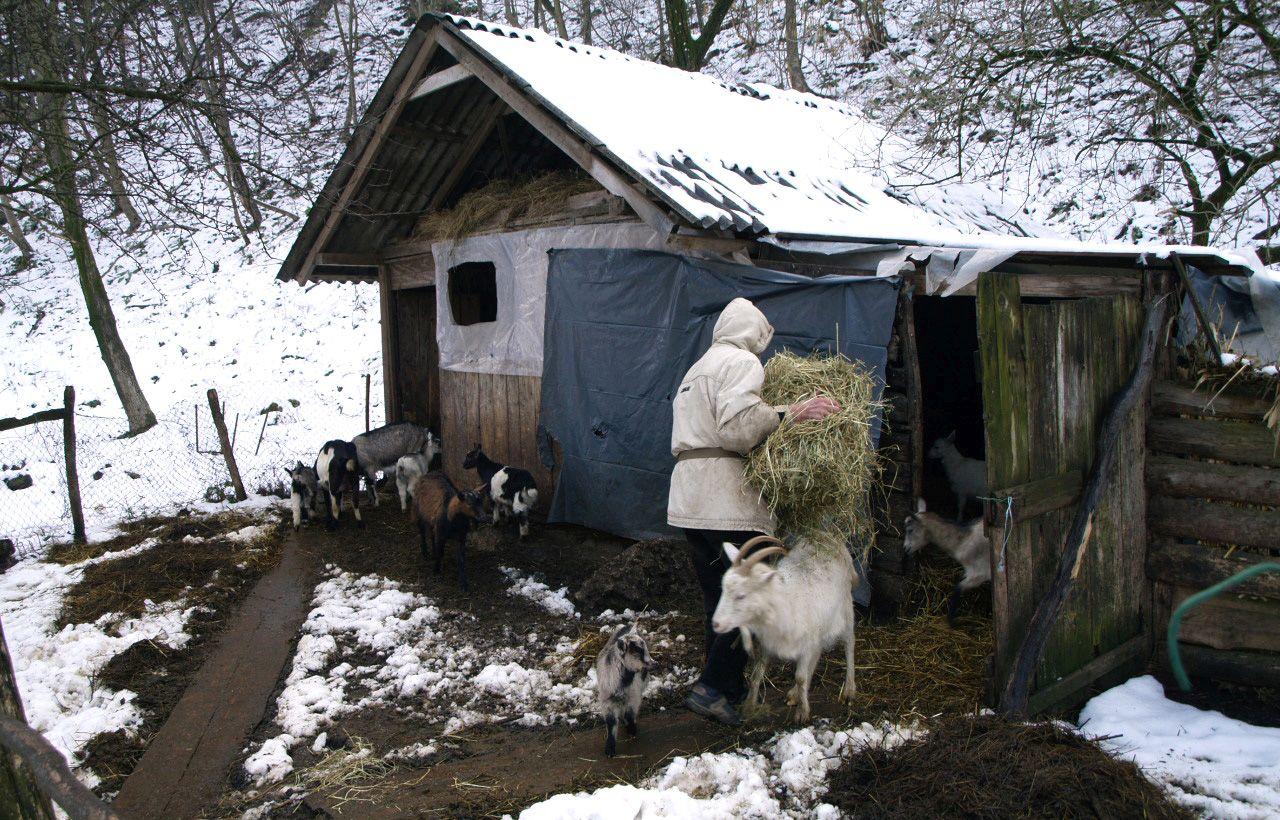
(67, 415)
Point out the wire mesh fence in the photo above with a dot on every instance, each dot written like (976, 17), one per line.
(176, 464)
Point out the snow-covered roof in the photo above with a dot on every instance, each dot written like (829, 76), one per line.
(759, 160)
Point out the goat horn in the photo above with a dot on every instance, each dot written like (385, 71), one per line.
(757, 557)
(754, 542)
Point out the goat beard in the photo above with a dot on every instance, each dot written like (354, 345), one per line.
(746, 637)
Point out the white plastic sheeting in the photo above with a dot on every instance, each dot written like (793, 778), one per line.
(512, 345)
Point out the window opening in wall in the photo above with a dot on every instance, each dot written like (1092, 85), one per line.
(473, 293)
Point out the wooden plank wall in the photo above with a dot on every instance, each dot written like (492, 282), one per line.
(499, 412)
(417, 358)
(1209, 519)
(1060, 370)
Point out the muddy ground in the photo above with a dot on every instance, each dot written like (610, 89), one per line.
(193, 559)
(491, 769)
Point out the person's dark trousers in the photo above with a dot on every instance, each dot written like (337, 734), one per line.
(726, 660)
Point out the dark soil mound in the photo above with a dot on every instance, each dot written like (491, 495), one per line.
(986, 767)
(653, 574)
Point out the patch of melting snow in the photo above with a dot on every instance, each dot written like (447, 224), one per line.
(785, 778)
(56, 669)
(555, 601)
(1219, 766)
(434, 662)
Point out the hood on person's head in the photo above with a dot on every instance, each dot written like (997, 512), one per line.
(741, 324)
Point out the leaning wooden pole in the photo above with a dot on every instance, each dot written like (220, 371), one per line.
(69, 456)
(1017, 689)
(220, 422)
(1206, 327)
(19, 796)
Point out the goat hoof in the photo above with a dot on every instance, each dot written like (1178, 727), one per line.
(847, 693)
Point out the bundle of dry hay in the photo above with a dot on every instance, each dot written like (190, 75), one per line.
(986, 767)
(818, 478)
(503, 200)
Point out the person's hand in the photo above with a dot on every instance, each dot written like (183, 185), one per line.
(818, 407)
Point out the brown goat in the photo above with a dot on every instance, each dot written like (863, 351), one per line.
(442, 512)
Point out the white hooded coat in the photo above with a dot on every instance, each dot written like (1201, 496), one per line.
(718, 406)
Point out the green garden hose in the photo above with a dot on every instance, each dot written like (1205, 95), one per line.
(1175, 622)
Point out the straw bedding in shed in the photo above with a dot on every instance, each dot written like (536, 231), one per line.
(819, 477)
(502, 201)
(987, 767)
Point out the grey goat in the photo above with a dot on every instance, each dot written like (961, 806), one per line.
(380, 449)
(622, 672)
(304, 492)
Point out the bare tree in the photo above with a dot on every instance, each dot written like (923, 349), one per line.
(45, 49)
(1184, 94)
(795, 71)
(687, 50)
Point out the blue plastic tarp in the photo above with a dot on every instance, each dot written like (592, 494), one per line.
(623, 327)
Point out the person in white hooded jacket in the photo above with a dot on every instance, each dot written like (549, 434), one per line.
(718, 416)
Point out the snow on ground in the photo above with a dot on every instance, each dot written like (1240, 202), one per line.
(55, 669)
(1214, 764)
(555, 601)
(786, 777)
(370, 640)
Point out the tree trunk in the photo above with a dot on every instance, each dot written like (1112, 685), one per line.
(347, 38)
(795, 71)
(14, 230)
(689, 52)
(587, 21)
(101, 317)
(509, 9)
(875, 34)
(111, 169)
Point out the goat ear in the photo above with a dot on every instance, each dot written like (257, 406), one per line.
(951, 436)
(920, 505)
(731, 551)
(768, 575)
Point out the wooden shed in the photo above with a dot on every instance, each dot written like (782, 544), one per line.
(1016, 342)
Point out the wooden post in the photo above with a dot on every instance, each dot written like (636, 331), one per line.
(366, 402)
(1018, 688)
(1210, 335)
(69, 453)
(19, 797)
(220, 422)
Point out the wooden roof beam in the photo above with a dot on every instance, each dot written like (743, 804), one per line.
(560, 136)
(440, 80)
(389, 117)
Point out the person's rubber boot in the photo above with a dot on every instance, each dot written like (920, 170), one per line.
(705, 701)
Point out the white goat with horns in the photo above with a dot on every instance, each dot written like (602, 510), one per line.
(790, 612)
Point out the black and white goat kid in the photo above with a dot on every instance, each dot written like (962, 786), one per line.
(338, 472)
(380, 449)
(304, 492)
(622, 672)
(511, 489)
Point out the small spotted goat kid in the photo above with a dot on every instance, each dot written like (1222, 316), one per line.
(622, 672)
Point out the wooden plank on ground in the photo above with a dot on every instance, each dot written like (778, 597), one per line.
(1239, 441)
(1214, 521)
(1198, 567)
(1174, 399)
(1184, 478)
(185, 766)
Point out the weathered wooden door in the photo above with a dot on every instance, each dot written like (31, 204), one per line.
(1050, 369)
(417, 357)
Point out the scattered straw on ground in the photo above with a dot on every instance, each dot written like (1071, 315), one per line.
(189, 552)
(986, 767)
(503, 200)
(820, 476)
